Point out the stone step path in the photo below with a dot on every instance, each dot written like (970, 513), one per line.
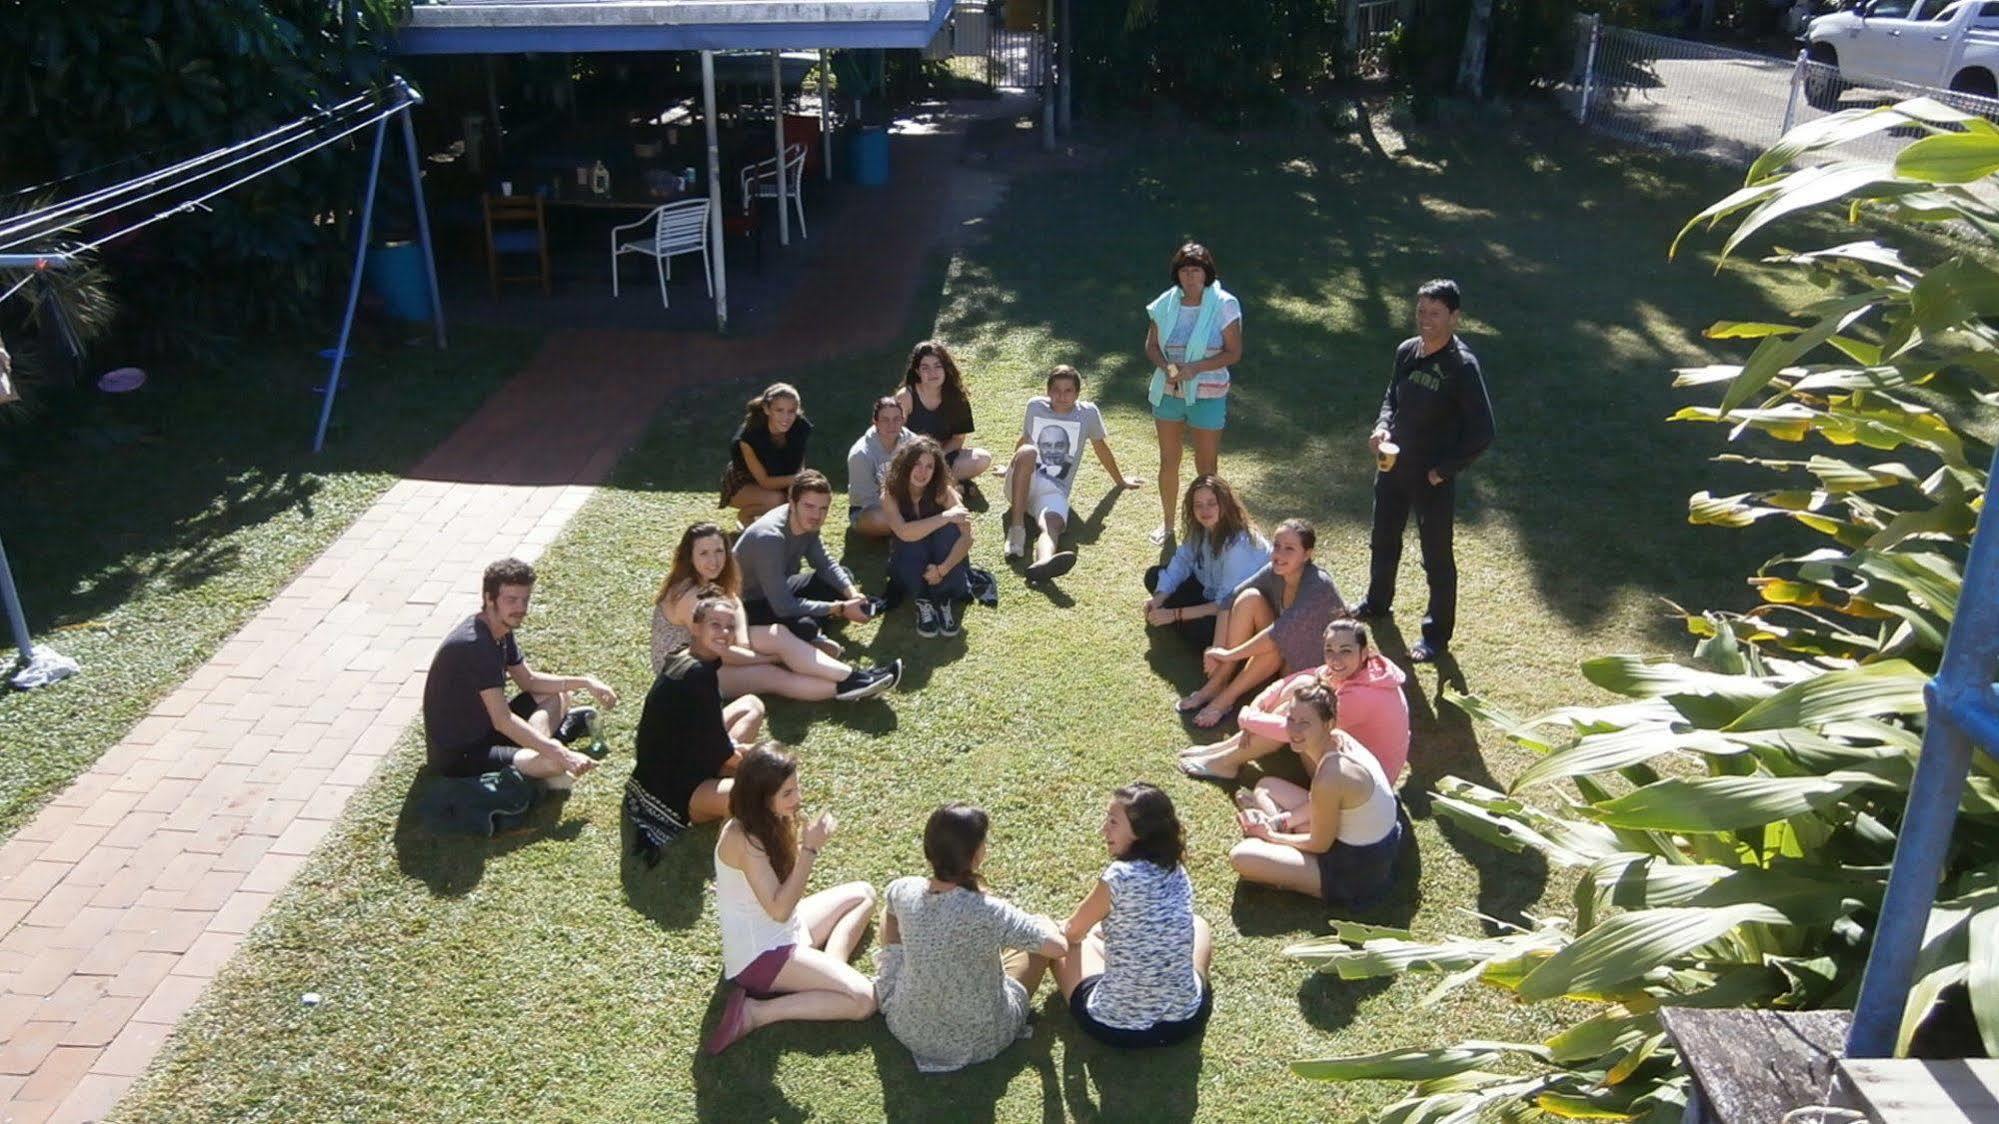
(129, 892)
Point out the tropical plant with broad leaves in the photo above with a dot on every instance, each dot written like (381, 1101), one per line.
(1732, 819)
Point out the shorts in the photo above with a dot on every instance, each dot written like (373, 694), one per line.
(1355, 876)
(1046, 497)
(491, 753)
(761, 975)
(1158, 1034)
(951, 457)
(854, 511)
(1201, 413)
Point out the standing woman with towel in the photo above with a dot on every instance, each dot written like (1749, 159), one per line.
(1193, 334)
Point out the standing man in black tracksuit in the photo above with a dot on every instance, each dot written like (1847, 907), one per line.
(1437, 416)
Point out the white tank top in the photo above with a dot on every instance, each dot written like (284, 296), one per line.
(747, 931)
(1375, 818)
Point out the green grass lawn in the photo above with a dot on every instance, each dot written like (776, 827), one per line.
(547, 977)
(144, 529)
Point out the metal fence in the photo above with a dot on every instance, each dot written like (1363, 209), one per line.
(1714, 101)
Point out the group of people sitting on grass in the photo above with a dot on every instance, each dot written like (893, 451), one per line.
(1281, 649)
(958, 964)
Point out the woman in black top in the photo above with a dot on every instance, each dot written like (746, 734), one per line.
(930, 536)
(767, 451)
(934, 405)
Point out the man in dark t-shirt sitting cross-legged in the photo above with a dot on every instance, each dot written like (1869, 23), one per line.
(469, 726)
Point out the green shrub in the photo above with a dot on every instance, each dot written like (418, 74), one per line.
(1733, 820)
(107, 91)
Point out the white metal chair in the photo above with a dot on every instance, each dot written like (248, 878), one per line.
(677, 228)
(760, 181)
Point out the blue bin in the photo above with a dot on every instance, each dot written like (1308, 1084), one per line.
(867, 155)
(395, 273)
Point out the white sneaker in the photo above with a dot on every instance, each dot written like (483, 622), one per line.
(1016, 541)
(1158, 535)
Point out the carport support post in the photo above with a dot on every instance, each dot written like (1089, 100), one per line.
(826, 114)
(1048, 76)
(16, 619)
(721, 260)
(1062, 112)
(777, 130)
(1797, 87)
(1589, 69)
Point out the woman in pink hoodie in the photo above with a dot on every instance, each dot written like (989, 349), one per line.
(1371, 708)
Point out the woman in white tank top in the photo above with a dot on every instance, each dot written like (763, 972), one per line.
(1337, 840)
(784, 953)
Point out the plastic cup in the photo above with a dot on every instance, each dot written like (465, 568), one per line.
(1385, 454)
(506, 187)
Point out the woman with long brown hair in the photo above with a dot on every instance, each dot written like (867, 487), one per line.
(1276, 619)
(763, 660)
(784, 952)
(930, 536)
(1220, 548)
(766, 452)
(935, 405)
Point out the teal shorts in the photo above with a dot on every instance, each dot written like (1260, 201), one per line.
(1201, 413)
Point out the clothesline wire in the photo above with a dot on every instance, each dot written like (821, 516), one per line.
(46, 221)
(381, 114)
(205, 142)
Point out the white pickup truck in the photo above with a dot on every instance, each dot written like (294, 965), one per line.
(1952, 44)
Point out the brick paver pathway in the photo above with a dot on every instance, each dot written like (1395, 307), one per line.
(126, 895)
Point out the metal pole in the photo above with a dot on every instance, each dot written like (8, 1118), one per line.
(1047, 77)
(777, 130)
(825, 114)
(721, 255)
(1797, 87)
(423, 226)
(1589, 69)
(16, 619)
(1962, 701)
(1066, 58)
(353, 286)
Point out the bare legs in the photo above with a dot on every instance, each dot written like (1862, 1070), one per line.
(752, 500)
(744, 719)
(970, 462)
(804, 671)
(1207, 462)
(1086, 957)
(872, 523)
(818, 983)
(1274, 864)
(1225, 757)
(1019, 489)
(1250, 615)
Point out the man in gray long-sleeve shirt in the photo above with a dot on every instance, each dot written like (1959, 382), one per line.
(769, 550)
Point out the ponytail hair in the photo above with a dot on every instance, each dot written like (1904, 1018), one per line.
(951, 841)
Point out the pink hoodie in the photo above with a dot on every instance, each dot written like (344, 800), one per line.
(1372, 709)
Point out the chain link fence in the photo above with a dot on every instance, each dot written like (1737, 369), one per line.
(1726, 104)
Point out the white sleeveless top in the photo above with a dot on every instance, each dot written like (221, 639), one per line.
(1374, 819)
(747, 931)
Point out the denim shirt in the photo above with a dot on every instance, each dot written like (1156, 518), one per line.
(1219, 573)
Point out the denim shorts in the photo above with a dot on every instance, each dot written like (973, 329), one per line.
(1201, 413)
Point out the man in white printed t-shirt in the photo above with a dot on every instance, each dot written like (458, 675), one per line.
(1043, 470)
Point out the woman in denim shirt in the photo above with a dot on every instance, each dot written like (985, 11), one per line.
(1220, 548)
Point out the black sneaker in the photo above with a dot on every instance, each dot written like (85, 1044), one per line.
(1368, 611)
(1057, 565)
(969, 490)
(866, 684)
(1425, 652)
(579, 722)
(926, 618)
(947, 617)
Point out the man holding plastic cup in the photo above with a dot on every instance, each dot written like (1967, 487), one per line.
(1435, 420)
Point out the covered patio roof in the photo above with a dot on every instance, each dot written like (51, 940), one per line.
(467, 27)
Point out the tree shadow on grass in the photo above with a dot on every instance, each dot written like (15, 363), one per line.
(453, 865)
(969, 1094)
(1102, 1082)
(1443, 743)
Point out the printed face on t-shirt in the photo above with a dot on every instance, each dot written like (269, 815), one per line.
(1055, 443)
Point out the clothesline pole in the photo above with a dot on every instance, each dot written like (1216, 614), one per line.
(721, 260)
(423, 227)
(353, 285)
(777, 131)
(16, 619)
